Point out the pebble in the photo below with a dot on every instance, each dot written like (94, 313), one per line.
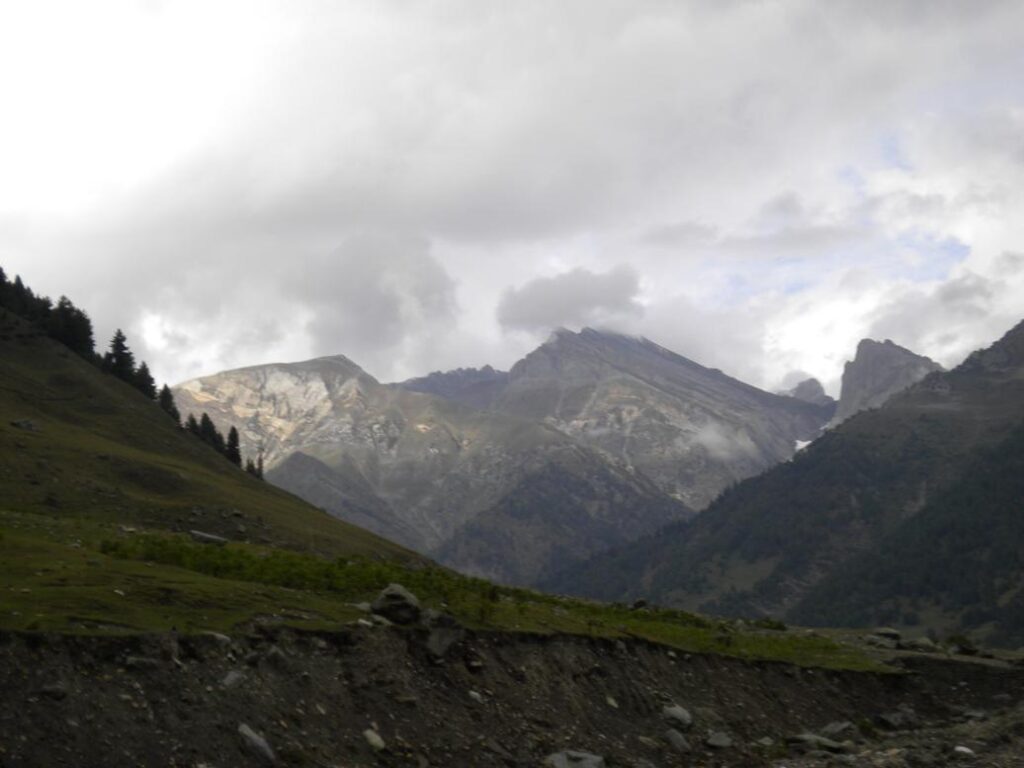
(374, 740)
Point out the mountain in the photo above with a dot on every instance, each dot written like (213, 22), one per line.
(877, 372)
(811, 391)
(692, 430)
(874, 520)
(476, 387)
(428, 472)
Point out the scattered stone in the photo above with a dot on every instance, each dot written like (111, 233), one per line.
(962, 751)
(374, 740)
(903, 719)
(276, 658)
(55, 691)
(677, 741)
(445, 631)
(256, 744)
(207, 538)
(765, 741)
(477, 697)
(397, 604)
(648, 742)
(574, 759)
(678, 715)
(611, 702)
(26, 424)
(719, 740)
(815, 742)
(364, 607)
(232, 678)
(838, 728)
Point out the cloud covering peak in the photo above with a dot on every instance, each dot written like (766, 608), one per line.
(757, 185)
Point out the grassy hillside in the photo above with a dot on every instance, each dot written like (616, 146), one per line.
(79, 443)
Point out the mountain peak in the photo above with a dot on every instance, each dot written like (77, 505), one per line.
(878, 371)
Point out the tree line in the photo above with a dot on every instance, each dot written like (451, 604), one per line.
(72, 327)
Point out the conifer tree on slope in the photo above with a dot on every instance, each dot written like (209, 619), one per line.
(143, 381)
(166, 400)
(233, 450)
(119, 360)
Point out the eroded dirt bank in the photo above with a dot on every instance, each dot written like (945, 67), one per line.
(308, 699)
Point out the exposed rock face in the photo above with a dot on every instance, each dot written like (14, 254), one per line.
(476, 387)
(692, 430)
(418, 468)
(879, 371)
(811, 391)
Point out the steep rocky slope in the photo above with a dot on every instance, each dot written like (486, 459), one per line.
(476, 387)
(692, 430)
(422, 469)
(878, 371)
(882, 476)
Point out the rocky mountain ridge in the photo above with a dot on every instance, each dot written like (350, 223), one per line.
(692, 430)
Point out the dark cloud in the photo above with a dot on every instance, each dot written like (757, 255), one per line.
(928, 322)
(374, 293)
(576, 298)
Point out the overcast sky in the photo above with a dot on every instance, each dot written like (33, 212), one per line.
(423, 185)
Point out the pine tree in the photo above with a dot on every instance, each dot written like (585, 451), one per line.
(233, 450)
(166, 400)
(143, 381)
(192, 426)
(250, 467)
(209, 433)
(259, 464)
(72, 327)
(119, 360)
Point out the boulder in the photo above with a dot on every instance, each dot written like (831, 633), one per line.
(838, 728)
(677, 741)
(445, 631)
(397, 604)
(719, 740)
(677, 715)
(256, 745)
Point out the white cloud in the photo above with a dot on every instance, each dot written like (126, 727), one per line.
(769, 181)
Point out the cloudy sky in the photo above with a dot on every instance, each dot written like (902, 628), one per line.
(423, 185)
